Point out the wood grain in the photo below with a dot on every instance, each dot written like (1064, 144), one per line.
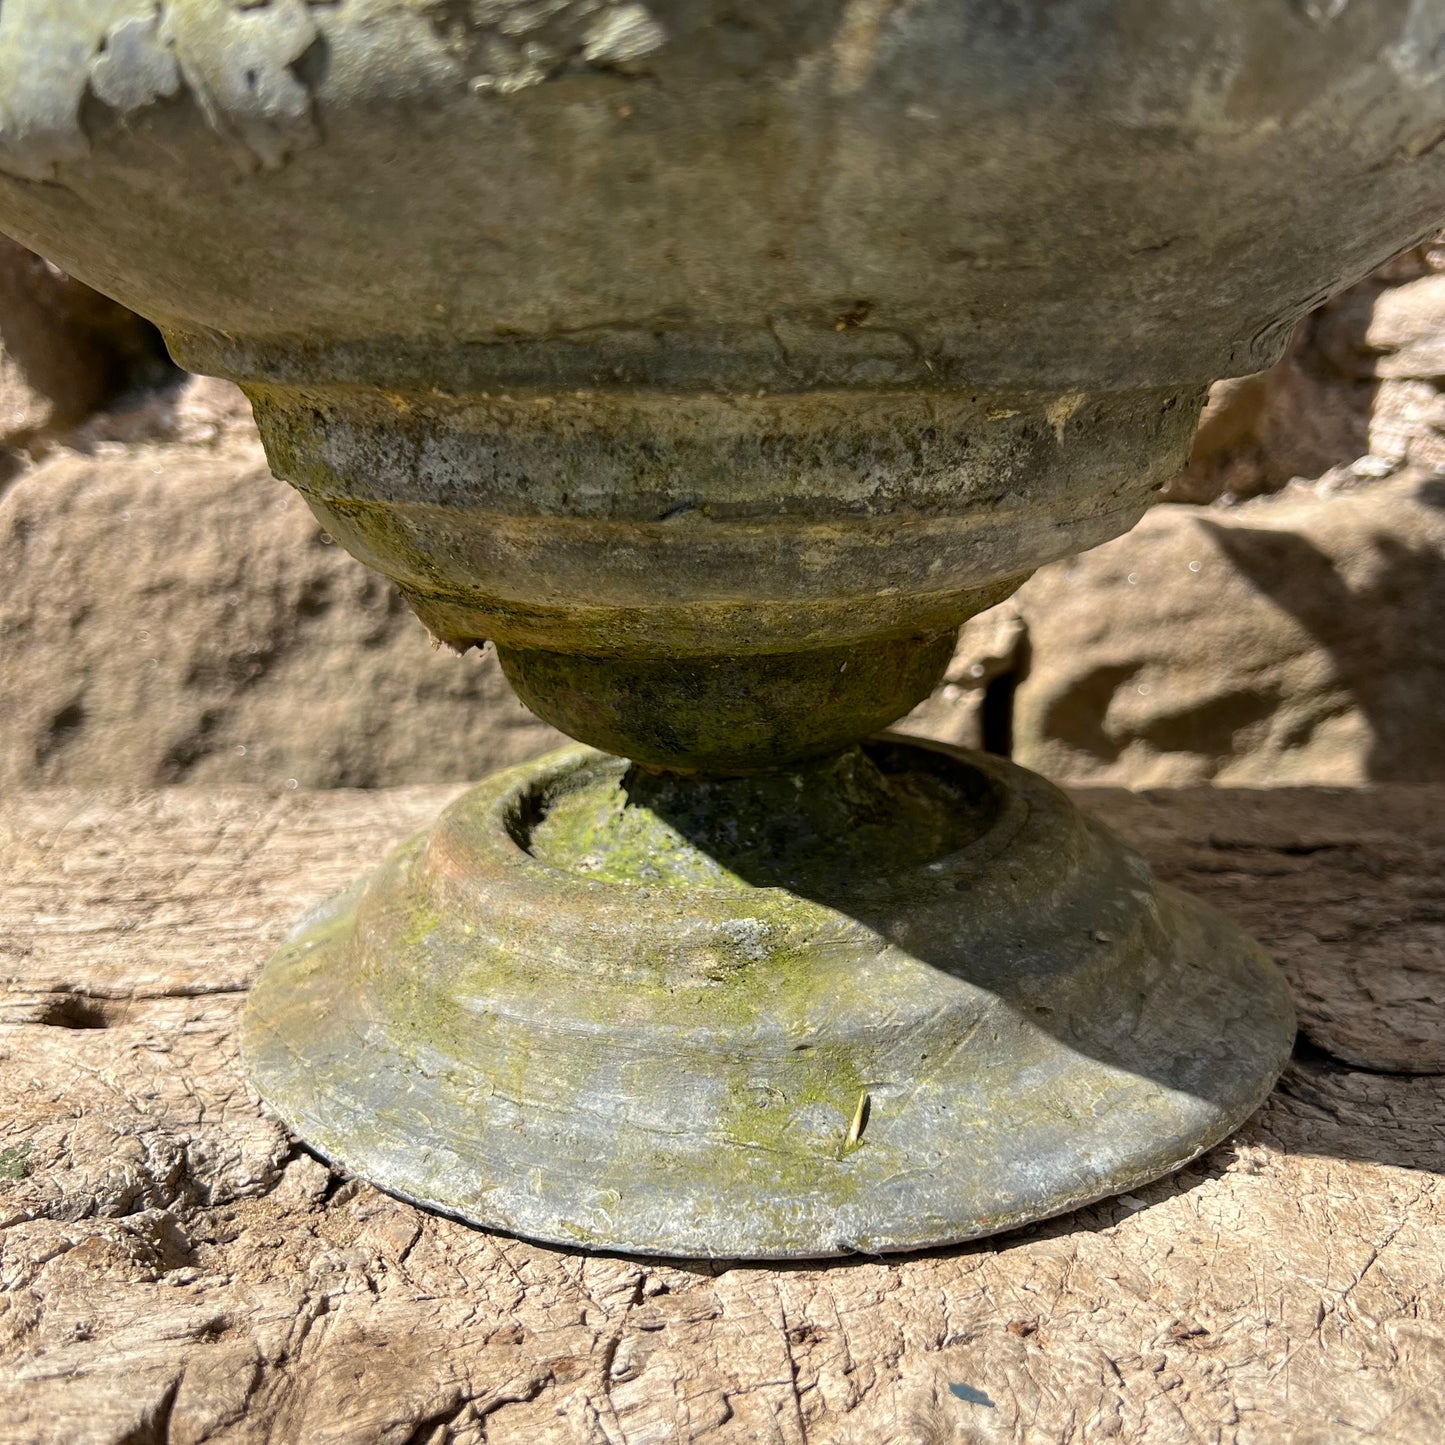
(174, 1268)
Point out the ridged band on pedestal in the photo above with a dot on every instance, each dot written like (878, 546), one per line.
(911, 1055)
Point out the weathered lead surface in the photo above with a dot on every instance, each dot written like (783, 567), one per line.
(898, 999)
(175, 1268)
(772, 191)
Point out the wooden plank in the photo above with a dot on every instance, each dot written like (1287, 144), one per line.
(1344, 887)
(175, 1268)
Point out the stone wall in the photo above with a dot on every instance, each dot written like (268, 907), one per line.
(1297, 638)
(169, 613)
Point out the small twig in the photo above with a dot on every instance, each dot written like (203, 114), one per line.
(860, 1121)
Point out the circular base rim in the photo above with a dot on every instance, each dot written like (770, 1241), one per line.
(1088, 1033)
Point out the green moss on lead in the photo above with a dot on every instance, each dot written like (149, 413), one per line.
(813, 828)
(628, 928)
(767, 1111)
(422, 920)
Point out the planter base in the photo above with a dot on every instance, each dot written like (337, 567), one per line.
(904, 997)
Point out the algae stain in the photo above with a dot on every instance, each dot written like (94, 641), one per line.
(423, 921)
(770, 1110)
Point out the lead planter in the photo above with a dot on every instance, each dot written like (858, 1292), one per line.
(715, 363)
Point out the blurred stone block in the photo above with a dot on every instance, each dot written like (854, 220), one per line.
(172, 613)
(1296, 639)
(65, 350)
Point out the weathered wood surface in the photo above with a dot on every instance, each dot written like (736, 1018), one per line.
(175, 1269)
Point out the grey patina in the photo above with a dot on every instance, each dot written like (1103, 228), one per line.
(673, 1016)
